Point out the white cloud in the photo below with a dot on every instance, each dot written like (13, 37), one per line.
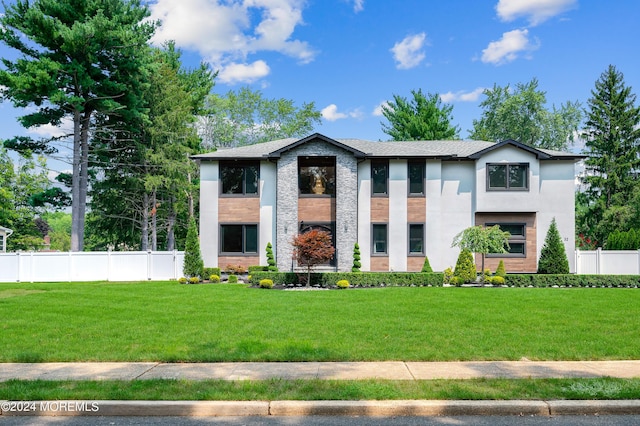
(508, 47)
(462, 96)
(227, 31)
(50, 131)
(408, 53)
(537, 11)
(377, 111)
(358, 5)
(330, 113)
(247, 73)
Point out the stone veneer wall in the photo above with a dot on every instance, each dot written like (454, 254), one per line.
(346, 202)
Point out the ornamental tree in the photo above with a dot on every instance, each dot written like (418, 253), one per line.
(356, 258)
(483, 240)
(193, 264)
(553, 257)
(312, 248)
(271, 261)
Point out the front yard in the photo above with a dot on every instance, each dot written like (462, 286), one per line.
(166, 321)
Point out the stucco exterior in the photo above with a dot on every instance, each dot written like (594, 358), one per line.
(456, 194)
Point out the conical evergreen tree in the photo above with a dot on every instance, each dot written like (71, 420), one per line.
(356, 258)
(271, 262)
(553, 258)
(426, 266)
(193, 264)
(465, 269)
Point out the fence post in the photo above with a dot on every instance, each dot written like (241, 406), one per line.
(598, 260)
(18, 267)
(109, 264)
(149, 264)
(576, 258)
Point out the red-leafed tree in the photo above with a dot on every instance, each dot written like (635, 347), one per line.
(312, 248)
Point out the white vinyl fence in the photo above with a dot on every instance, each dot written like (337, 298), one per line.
(614, 262)
(90, 266)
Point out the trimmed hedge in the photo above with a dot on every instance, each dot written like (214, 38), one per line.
(571, 280)
(356, 279)
(257, 268)
(211, 271)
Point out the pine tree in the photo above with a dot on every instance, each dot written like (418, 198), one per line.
(465, 269)
(356, 258)
(500, 270)
(193, 264)
(553, 258)
(271, 262)
(426, 266)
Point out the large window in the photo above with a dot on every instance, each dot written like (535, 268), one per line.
(317, 175)
(239, 178)
(379, 238)
(379, 177)
(239, 239)
(509, 177)
(416, 178)
(517, 240)
(416, 238)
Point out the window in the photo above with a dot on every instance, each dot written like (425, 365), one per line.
(416, 238)
(317, 175)
(239, 239)
(379, 177)
(379, 239)
(239, 178)
(517, 240)
(416, 178)
(510, 177)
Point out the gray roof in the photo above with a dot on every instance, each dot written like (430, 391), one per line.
(445, 149)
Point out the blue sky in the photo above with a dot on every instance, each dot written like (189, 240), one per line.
(349, 56)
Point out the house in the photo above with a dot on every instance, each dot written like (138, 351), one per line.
(4, 234)
(400, 201)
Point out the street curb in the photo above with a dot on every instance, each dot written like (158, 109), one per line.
(318, 408)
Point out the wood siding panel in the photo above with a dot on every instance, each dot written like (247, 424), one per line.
(528, 264)
(239, 210)
(316, 209)
(379, 264)
(379, 209)
(245, 261)
(414, 263)
(416, 210)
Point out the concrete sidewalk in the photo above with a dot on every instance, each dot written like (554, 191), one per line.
(388, 370)
(392, 370)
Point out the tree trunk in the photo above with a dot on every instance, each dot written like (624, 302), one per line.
(144, 232)
(171, 221)
(76, 236)
(154, 222)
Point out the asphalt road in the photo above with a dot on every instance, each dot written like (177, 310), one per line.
(628, 420)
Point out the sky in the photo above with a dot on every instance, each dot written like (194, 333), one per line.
(350, 56)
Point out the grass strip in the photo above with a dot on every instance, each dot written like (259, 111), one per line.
(280, 389)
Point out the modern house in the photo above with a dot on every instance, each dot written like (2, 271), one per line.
(400, 201)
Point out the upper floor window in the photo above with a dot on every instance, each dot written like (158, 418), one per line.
(317, 175)
(509, 177)
(416, 177)
(239, 178)
(379, 177)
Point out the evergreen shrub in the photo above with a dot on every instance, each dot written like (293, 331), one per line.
(465, 270)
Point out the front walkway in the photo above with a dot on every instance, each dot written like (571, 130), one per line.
(390, 370)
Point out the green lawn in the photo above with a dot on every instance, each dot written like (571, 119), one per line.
(166, 321)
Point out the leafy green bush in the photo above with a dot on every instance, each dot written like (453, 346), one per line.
(257, 268)
(342, 284)
(448, 275)
(426, 266)
(183, 280)
(486, 276)
(623, 240)
(213, 278)
(456, 281)
(233, 279)
(500, 271)
(356, 258)
(497, 280)
(271, 261)
(465, 269)
(211, 271)
(572, 280)
(356, 279)
(266, 283)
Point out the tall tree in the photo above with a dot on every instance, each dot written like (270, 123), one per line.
(246, 117)
(519, 113)
(78, 59)
(483, 240)
(424, 117)
(553, 258)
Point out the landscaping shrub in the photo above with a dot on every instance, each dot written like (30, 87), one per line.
(553, 258)
(213, 278)
(233, 279)
(500, 271)
(623, 240)
(572, 280)
(257, 268)
(486, 276)
(211, 271)
(194, 280)
(235, 269)
(356, 258)
(266, 283)
(271, 261)
(183, 280)
(448, 275)
(193, 264)
(342, 284)
(357, 279)
(465, 269)
(497, 280)
(426, 266)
